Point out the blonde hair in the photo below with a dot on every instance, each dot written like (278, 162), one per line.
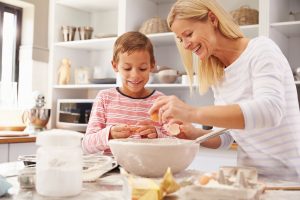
(211, 70)
(131, 42)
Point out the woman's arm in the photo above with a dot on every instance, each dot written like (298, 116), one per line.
(170, 107)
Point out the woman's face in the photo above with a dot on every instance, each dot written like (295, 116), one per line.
(196, 36)
(134, 70)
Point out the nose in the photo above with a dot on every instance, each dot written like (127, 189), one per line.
(186, 43)
(134, 73)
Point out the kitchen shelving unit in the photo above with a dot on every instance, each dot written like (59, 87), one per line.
(119, 16)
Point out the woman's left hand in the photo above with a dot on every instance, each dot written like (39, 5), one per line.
(146, 129)
(171, 107)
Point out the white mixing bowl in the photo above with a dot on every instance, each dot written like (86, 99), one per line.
(152, 157)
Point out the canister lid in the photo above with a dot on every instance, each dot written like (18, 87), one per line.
(59, 137)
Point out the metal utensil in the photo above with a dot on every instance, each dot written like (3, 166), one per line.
(210, 135)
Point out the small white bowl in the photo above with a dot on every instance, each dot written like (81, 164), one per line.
(167, 76)
(152, 157)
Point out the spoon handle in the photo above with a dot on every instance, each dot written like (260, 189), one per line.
(212, 134)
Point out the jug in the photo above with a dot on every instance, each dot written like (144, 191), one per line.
(59, 163)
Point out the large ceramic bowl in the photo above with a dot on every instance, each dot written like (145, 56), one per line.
(152, 157)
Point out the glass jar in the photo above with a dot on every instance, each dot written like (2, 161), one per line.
(26, 177)
(59, 163)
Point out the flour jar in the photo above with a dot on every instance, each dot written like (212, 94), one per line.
(59, 163)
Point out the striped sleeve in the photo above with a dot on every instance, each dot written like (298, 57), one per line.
(97, 133)
(267, 107)
(111, 108)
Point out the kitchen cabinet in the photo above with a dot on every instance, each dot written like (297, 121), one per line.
(284, 30)
(115, 17)
(4, 153)
(17, 149)
(11, 151)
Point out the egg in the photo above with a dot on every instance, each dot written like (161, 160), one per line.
(173, 129)
(154, 116)
(204, 179)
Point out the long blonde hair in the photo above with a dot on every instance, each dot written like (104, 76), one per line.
(211, 70)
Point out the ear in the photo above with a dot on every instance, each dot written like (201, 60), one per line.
(114, 66)
(213, 18)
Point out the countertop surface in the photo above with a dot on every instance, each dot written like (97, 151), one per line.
(19, 139)
(111, 186)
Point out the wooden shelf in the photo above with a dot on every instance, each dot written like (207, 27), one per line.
(289, 29)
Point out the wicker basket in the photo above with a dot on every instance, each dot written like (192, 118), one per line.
(154, 25)
(245, 15)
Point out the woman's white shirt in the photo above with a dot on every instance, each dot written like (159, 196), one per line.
(261, 82)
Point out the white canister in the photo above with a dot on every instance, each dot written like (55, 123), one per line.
(59, 163)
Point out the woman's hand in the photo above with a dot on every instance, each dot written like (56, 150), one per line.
(188, 130)
(146, 129)
(120, 131)
(170, 107)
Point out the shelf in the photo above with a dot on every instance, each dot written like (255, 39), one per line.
(93, 44)
(290, 29)
(250, 31)
(90, 5)
(158, 39)
(162, 39)
(104, 86)
(297, 82)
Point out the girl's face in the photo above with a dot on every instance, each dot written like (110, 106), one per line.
(134, 70)
(197, 36)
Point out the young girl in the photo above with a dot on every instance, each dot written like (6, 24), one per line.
(122, 112)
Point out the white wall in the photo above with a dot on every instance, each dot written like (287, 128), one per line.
(34, 51)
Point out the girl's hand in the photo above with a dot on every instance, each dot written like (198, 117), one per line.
(170, 107)
(146, 129)
(120, 131)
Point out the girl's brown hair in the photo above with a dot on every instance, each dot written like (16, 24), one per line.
(131, 42)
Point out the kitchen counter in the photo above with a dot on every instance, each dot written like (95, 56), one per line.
(112, 186)
(21, 139)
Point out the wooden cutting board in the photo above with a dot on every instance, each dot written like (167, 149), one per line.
(12, 128)
(12, 134)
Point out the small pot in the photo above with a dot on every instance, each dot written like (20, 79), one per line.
(168, 76)
(85, 32)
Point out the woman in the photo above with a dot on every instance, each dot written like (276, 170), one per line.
(253, 86)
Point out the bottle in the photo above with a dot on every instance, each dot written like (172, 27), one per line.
(59, 163)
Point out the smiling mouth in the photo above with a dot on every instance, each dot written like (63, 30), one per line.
(196, 49)
(134, 82)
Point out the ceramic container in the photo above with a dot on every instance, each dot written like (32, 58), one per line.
(59, 163)
(152, 157)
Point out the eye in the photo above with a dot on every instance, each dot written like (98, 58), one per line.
(126, 68)
(190, 34)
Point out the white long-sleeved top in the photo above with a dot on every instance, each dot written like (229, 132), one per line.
(261, 82)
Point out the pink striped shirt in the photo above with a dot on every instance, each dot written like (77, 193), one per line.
(111, 107)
